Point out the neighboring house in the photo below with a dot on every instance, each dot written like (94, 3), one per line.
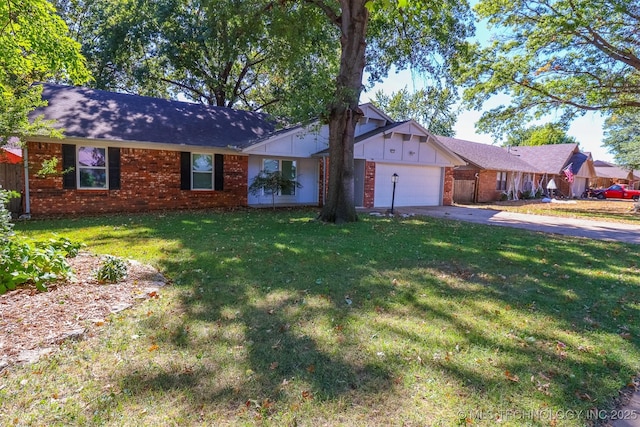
(608, 174)
(552, 160)
(491, 172)
(124, 153)
(11, 175)
(494, 172)
(12, 156)
(128, 153)
(382, 147)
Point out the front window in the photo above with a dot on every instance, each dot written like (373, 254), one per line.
(92, 167)
(287, 169)
(501, 181)
(202, 171)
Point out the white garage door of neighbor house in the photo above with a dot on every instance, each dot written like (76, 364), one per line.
(417, 185)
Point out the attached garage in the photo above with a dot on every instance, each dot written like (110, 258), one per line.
(417, 185)
(419, 159)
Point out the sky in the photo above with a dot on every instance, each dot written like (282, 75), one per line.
(587, 129)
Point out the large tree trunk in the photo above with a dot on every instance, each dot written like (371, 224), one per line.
(344, 113)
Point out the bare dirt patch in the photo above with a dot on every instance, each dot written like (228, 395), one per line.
(34, 323)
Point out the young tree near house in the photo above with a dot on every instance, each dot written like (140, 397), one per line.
(378, 34)
(34, 47)
(431, 107)
(560, 56)
(272, 182)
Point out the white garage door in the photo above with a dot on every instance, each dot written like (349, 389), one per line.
(417, 185)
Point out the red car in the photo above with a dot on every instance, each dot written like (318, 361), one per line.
(617, 191)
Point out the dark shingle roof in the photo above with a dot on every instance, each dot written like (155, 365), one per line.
(97, 114)
(485, 156)
(550, 158)
(610, 170)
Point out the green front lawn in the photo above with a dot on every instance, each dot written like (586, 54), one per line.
(277, 319)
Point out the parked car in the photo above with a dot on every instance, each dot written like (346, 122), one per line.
(616, 191)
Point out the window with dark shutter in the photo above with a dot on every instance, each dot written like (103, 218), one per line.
(69, 166)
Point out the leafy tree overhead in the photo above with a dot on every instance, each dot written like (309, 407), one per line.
(562, 56)
(546, 134)
(622, 137)
(431, 107)
(34, 47)
(248, 54)
(377, 34)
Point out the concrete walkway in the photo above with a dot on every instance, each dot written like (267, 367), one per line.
(599, 230)
(628, 415)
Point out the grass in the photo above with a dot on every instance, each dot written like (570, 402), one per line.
(601, 210)
(280, 320)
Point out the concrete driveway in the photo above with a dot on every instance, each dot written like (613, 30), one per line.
(600, 230)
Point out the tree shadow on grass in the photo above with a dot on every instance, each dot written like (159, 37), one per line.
(269, 282)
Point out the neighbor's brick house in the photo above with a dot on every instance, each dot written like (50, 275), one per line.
(494, 172)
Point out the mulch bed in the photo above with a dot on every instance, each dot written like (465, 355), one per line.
(34, 323)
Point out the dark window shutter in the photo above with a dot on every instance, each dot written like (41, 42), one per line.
(69, 165)
(114, 168)
(218, 169)
(185, 170)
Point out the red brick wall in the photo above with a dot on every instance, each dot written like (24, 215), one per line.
(487, 186)
(150, 180)
(369, 184)
(447, 193)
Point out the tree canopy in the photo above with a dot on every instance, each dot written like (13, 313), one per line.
(622, 137)
(546, 134)
(34, 47)
(564, 57)
(247, 54)
(431, 107)
(426, 36)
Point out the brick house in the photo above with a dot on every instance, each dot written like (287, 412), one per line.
(128, 153)
(493, 172)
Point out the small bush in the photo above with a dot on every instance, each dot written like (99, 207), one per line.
(40, 264)
(112, 270)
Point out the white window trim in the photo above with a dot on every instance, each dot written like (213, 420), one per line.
(280, 160)
(213, 166)
(106, 167)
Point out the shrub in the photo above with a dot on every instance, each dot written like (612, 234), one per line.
(112, 270)
(22, 262)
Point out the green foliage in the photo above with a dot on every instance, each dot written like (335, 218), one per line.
(22, 262)
(112, 270)
(622, 137)
(34, 47)
(561, 57)
(272, 182)
(248, 54)
(546, 134)
(430, 107)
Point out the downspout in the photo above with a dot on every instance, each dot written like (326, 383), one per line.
(27, 198)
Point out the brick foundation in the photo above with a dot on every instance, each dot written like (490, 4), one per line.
(150, 180)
